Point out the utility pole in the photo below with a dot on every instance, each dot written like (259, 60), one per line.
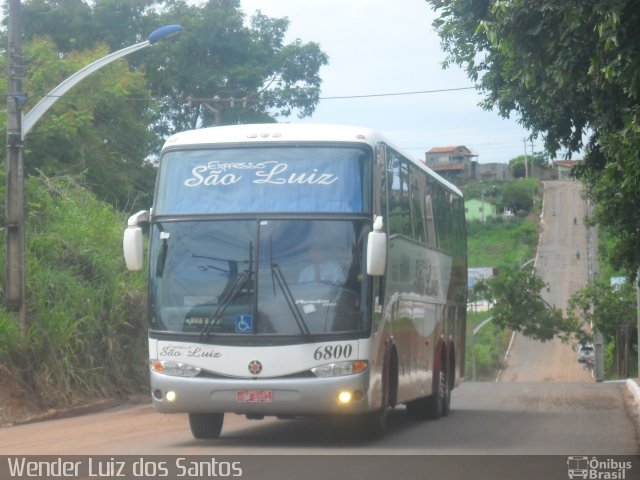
(14, 202)
(526, 172)
(532, 157)
(216, 104)
(18, 125)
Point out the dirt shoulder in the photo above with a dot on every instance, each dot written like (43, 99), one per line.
(20, 405)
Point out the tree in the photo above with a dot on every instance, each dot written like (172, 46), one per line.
(612, 311)
(518, 195)
(519, 306)
(219, 63)
(106, 126)
(517, 167)
(254, 75)
(568, 70)
(99, 130)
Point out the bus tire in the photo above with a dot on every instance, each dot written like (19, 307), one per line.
(206, 425)
(439, 402)
(373, 425)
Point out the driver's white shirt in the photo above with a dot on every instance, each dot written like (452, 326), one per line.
(326, 272)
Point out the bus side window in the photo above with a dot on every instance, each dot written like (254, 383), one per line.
(398, 196)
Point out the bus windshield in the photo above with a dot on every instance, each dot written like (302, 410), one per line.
(248, 278)
(328, 179)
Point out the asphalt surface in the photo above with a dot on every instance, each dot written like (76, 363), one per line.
(556, 263)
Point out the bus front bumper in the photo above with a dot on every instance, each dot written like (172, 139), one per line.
(300, 396)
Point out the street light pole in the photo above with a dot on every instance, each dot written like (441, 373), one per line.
(14, 203)
(18, 125)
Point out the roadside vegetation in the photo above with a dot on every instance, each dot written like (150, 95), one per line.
(612, 310)
(568, 72)
(500, 243)
(491, 342)
(85, 312)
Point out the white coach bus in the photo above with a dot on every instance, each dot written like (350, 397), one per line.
(297, 270)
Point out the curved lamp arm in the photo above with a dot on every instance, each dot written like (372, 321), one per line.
(32, 116)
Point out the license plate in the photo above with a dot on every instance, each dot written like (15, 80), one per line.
(254, 396)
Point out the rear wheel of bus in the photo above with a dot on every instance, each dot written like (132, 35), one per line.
(206, 425)
(438, 404)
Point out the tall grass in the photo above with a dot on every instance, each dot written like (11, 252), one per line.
(496, 243)
(490, 345)
(501, 242)
(85, 312)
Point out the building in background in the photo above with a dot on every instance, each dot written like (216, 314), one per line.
(456, 164)
(475, 209)
(493, 171)
(564, 168)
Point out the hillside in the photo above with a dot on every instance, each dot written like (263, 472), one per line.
(85, 312)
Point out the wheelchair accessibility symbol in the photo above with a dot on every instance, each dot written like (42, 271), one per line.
(244, 323)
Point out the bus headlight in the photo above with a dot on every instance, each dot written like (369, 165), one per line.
(339, 369)
(176, 369)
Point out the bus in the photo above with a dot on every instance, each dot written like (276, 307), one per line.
(241, 318)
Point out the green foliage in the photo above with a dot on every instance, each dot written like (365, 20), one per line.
(519, 195)
(99, 130)
(517, 167)
(497, 242)
(569, 70)
(520, 165)
(519, 306)
(515, 195)
(607, 309)
(86, 313)
(218, 54)
(105, 127)
(490, 191)
(490, 343)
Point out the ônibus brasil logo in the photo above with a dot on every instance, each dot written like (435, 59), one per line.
(593, 468)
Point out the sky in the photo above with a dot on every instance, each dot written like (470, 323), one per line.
(382, 47)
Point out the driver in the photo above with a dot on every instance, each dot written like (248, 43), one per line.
(321, 269)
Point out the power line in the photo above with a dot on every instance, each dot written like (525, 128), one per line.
(336, 97)
(396, 94)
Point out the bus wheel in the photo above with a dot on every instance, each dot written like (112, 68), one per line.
(374, 424)
(206, 425)
(439, 402)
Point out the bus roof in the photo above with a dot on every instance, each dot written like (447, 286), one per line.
(289, 132)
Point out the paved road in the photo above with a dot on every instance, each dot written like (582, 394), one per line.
(545, 404)
(556, 262)
(488, 418)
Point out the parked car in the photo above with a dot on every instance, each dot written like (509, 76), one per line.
(586, 352)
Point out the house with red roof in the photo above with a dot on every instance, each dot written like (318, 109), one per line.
(455, 163)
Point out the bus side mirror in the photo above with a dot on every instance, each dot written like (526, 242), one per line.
(376, 249)
(132, 241)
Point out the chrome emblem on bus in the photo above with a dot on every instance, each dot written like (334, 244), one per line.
(255, 367)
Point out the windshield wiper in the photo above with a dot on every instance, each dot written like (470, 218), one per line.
(224, 301)
(229, 293)
(290, 299)
(277, 274)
